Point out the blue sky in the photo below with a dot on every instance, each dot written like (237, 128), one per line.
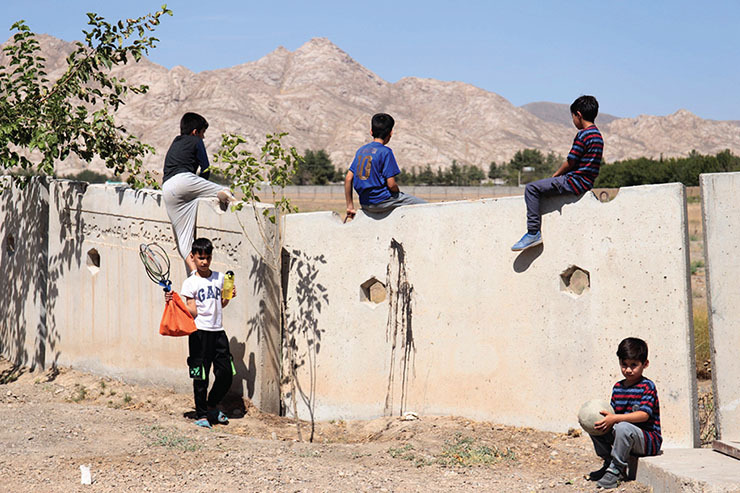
(637, 57)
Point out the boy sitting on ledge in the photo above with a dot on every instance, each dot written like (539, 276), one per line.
(373, 174)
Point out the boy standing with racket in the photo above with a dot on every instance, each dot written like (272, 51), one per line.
(208, 345)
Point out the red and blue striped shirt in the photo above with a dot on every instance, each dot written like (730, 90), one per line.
(585, 157)
(642, 396)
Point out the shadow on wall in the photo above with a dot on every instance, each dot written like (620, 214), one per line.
(261, 337)
(31, 273)
(301, 332)
(550, 204)
(245, 374)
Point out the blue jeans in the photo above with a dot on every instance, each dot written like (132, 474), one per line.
(532, 193)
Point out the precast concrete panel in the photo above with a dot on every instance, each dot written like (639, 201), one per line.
(24, 217)
(468, 327)
(105, 311)
(721, 219)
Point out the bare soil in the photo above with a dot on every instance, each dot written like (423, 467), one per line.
(137, 438)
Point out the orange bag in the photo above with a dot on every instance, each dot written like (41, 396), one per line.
(176, 319)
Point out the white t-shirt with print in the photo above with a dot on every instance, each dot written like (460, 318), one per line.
(207, 295)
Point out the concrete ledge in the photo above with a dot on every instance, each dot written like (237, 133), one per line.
(690, 470)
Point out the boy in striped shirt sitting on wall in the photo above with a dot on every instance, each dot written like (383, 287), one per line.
(634, 428)
(576, 175)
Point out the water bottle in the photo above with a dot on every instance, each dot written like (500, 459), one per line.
(228, 292)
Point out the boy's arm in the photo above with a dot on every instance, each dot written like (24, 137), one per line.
(571, 162)
(611, 419)
(226, 302)
(392, 185)
(564, 168)
(348, 194)
(192, 308)
(201, 157)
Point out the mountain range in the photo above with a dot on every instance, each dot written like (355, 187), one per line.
(324, 99)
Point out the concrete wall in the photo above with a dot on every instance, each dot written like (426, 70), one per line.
(431, 193)
(721, 216)
(105, 318)
(470, 328)
(466, 326)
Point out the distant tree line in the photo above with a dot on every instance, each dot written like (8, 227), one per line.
(526, 165)
(645, 171)
(455, 175)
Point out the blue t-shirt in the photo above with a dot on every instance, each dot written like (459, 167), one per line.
(373, 164)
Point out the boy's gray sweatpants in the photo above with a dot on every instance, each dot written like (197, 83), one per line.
(180, 193)
(557, 185)
(624, 439)
(396, 200)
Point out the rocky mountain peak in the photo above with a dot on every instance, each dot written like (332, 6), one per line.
(324, 99)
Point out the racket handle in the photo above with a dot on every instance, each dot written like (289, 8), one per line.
(166, 285)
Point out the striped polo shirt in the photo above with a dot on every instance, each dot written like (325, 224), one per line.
(585, 157)
(642, 396)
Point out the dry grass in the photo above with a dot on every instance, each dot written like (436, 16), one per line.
(702, 348)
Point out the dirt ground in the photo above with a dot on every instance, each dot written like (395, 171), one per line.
(143, 439)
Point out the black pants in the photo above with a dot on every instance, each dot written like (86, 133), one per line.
(206, 349)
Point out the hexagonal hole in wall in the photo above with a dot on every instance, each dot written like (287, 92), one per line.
(372, 291)
(10, 245)
(93, 260)
(575, 280)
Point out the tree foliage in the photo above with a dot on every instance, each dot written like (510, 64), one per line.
(315, 168)
(471, 175)
(43, 121)
(644, 171)
(252, 175)
(455, 175)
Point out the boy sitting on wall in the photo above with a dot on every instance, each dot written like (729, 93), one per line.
(181, 186)
(575, 176)
(373, 174)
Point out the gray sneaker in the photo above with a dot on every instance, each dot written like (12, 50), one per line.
(610, 480)
(599, 473)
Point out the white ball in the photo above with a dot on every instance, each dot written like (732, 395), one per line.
(590, 414)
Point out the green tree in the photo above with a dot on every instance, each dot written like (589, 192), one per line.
(473, 175)
(426, 176)
(315, 168)
(495, 171)
(73, 114)
(686, 170)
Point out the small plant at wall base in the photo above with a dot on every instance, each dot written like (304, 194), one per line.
(74, 113)
(252, 177)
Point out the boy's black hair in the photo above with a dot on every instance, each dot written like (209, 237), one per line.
(588, 106)
(192, 121)
(202, 245)
(633, 348)
(382, 124)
